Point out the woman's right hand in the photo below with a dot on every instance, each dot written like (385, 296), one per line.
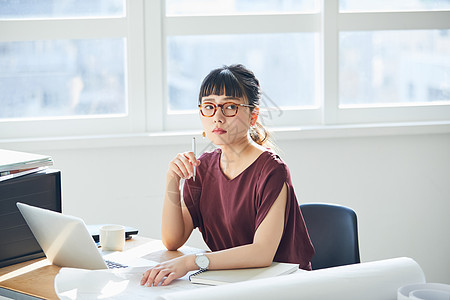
(182, 166)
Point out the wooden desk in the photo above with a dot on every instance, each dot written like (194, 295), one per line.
(36, 277)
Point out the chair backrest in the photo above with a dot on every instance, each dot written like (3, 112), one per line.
(334, 233)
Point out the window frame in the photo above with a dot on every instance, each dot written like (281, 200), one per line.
(146, 27)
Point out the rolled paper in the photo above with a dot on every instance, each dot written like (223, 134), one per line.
(428, 291)
(378, 280)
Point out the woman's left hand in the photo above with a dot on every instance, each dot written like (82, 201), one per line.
(167, 271)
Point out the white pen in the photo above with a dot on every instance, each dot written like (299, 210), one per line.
(195, 154)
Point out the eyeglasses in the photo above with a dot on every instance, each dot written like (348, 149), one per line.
(229, 109)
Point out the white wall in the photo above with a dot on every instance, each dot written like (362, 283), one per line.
(398, 185)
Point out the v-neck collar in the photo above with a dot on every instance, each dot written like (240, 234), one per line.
(225, 177)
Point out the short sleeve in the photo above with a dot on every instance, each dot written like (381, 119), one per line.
(191, 197)
(269, 187)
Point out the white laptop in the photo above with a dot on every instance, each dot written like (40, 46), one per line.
(66, 240)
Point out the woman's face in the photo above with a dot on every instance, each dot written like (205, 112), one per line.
(222, 130)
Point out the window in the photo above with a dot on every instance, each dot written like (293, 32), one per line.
(57, 78)
(190, 58)
(232, 7)
(135, 66)
(288, 78)
(392, 62)
(28, 9)
(404, 5)
(65, 68)
(394, 67)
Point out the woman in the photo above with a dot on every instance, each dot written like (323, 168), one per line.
(241, 199)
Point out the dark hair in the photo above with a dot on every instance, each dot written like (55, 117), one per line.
(236, 81)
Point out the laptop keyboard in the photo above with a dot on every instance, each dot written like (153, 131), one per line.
(114, 265)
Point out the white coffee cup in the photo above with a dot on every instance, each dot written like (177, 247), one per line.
(112, 237)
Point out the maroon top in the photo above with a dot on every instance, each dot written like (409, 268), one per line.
(228, 212)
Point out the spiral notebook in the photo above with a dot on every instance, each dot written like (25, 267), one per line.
(218, 277)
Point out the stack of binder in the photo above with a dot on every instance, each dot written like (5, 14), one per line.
(14, 164)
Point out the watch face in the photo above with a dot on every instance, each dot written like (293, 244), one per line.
(202, 261)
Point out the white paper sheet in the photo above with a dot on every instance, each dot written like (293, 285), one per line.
(83, 284)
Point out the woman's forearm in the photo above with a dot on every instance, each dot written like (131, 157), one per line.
(172, 227)
(246, 256)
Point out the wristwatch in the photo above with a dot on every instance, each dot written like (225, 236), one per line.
(202, 261)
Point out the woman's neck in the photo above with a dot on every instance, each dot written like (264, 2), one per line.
(237, 156)
(236, 151)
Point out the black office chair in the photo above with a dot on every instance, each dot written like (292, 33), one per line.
(334, 233)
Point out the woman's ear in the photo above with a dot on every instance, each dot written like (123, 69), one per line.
(255, 114)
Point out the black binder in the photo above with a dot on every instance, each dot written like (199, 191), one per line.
(42, 189)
